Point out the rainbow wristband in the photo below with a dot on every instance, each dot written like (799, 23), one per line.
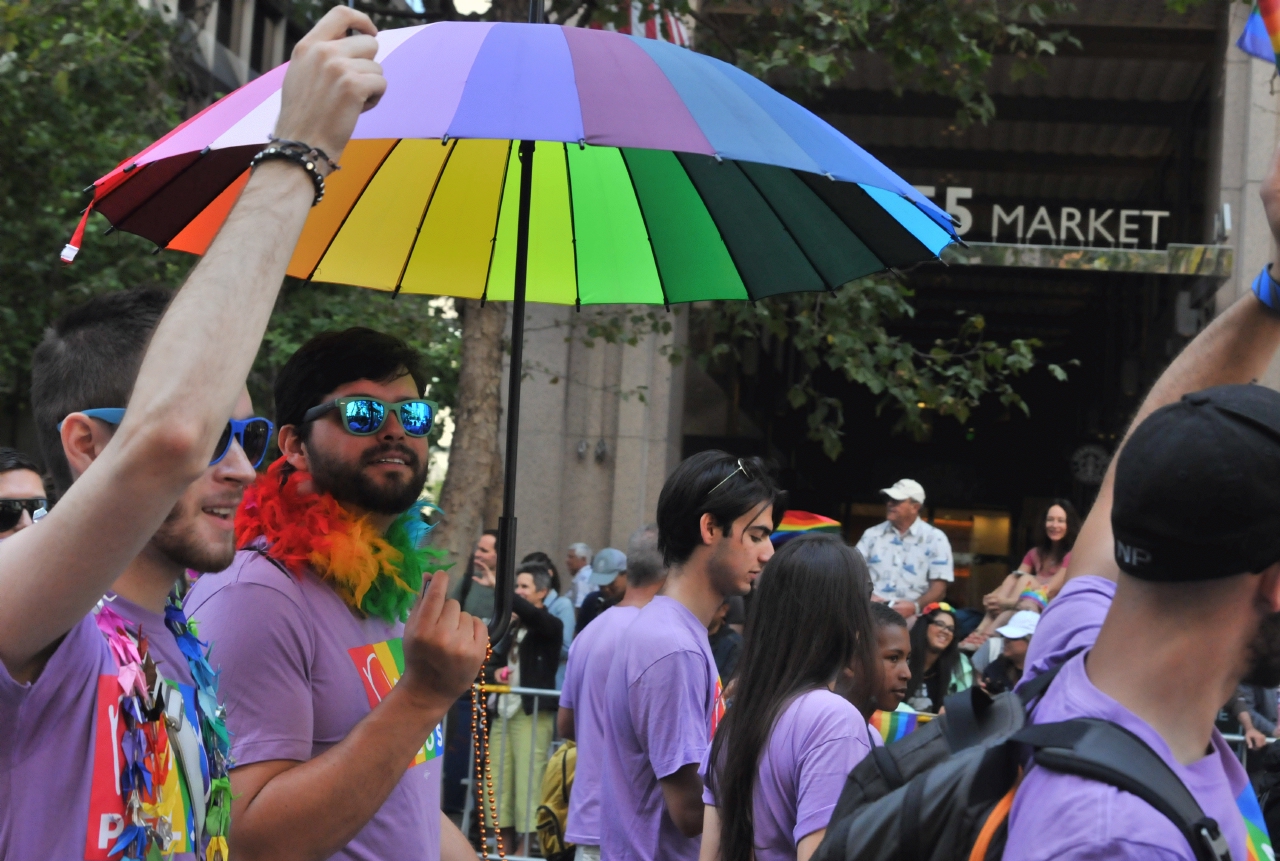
(1267, 290)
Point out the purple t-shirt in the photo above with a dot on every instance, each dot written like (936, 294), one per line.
(814, 744)
(59, 780)
(1058, 816)
(661, 706)
(299, 670)
(590, 657)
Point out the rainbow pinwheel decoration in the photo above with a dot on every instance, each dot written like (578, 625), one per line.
(799, 522)
(1261, 36)
(558, 164)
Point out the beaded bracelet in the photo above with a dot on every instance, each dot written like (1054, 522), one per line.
(301, 154)
(1267, 290)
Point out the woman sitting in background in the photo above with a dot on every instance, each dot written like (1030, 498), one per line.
(938, 667)
(780, 757)
(1038, 578)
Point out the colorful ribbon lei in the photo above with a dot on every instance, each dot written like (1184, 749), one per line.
(147, 755)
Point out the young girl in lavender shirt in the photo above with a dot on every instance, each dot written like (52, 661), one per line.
(792, 733)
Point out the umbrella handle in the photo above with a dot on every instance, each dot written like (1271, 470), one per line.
(505, 580)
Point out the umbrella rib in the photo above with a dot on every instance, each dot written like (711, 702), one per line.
(711, 215)
(430, 198)
(168, 182)
(884, 266)
(769, 203)
(662, 284)
(497, 219)
(352, 208)
(573, 230)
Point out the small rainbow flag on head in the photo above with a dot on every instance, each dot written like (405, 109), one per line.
(1261, 36)
(894, 725)
(799, 522)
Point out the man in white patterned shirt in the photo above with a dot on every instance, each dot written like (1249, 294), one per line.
(910, 560)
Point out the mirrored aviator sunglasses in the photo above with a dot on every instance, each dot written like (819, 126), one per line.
(11, 510)
(366, 416)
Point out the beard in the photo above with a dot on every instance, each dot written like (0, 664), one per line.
(349, 483)
(1264, 659)
(178, 539)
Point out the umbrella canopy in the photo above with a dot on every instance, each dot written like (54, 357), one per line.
(563, 165)
(661, 175)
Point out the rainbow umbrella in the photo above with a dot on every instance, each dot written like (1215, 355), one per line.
(565, 165)
(799, 522)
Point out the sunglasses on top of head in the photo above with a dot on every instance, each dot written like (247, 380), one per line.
(254, 434)
(364, 416)
(11, 510)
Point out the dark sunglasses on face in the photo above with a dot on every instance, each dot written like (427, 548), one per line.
(11, 510)
(950, 629)
(253, 435)
(364, 416)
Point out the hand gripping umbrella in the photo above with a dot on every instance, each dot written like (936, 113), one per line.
(564, 165)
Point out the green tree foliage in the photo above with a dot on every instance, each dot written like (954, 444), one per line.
(83, 85)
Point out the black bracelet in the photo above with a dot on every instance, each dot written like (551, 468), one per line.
(300, 154)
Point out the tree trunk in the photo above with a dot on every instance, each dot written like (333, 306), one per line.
(473, 485)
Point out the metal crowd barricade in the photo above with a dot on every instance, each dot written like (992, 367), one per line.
(498, 766)
(1242, 750)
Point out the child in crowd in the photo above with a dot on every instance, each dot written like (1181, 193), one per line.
(779, 760)
(1004, 673)
(893, 642)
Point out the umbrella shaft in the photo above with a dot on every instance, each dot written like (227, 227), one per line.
(504, 586)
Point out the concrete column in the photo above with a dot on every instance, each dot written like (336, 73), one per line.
(593, 454)
(1250, 127)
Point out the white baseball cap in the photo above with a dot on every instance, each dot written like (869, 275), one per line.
(1023, 624)
(905, 489)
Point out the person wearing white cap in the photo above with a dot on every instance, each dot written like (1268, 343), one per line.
(910, 560)
(1006, 671)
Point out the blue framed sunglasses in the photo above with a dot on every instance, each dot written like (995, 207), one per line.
(365, 416)
(253, 434)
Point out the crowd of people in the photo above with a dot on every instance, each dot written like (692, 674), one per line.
(206, 655)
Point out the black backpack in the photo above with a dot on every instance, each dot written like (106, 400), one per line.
(944, 792)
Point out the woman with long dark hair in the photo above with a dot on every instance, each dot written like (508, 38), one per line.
(1038, 578)
(938, 667)
(797, 724)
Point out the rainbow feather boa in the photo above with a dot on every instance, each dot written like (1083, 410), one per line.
(379, 575)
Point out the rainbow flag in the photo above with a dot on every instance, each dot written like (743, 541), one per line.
(1259, 842)
(799, 522)
(1261, 36)
(893, 726)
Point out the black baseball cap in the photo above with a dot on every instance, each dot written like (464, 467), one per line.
(1197, 491)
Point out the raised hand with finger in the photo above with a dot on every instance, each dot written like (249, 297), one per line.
(444, 647)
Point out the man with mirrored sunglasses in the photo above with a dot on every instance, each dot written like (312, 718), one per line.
(113, 743)
(311, 616)
(22, 494)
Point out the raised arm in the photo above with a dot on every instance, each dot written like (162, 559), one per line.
(1236, 347)
(195, 367)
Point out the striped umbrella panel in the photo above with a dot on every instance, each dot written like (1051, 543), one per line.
(607, 225)
(501, 81)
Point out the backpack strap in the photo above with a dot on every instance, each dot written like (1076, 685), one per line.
(1103, 751)
(963, 724)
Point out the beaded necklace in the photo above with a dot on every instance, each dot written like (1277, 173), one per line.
(153, 792)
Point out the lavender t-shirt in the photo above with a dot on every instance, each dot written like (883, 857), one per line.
(814, 744)
(590, 657)
(59, 780)
(299, 670)
(1058, 816)
(661, 707)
